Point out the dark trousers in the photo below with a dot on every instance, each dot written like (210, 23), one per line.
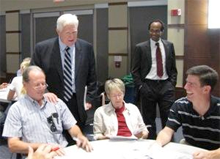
(153, 93)
(72, 105)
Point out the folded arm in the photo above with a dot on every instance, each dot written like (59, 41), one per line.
(17, 146)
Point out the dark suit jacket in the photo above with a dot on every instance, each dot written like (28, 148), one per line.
(47, 56)
(142, 62)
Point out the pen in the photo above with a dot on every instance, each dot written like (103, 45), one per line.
(55, 149)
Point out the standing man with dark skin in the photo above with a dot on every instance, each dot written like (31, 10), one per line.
(154, 88)
(50, 56)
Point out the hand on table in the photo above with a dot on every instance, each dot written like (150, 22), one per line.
(83, 142)
(44, 152)
(58, 150)
(201, 155)
(3, 85)
(141, 135)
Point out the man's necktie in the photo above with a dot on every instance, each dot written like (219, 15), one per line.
(67, 75)
(159, 61)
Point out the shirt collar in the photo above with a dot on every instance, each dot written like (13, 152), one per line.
(63, 46)
(110, 107)
(153, 43)
(31, 100)
(214, 102)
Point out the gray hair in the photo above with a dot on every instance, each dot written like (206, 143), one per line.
(206, 74)
(114, 84)
(26, 72)
(67, 19)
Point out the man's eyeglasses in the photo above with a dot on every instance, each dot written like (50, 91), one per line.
(53, 127)
(40, 85)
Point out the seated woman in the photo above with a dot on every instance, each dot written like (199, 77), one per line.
(15, 88)
(118, 118)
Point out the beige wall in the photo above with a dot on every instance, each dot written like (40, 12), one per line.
(12, 41)
(34, 4)
(176, 34)
(118, 39)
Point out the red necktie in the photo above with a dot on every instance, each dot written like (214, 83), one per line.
(159, 61)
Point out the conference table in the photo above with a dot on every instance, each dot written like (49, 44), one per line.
(130, 149)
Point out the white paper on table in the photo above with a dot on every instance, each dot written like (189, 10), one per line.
(157, 152)
(123, 138)
(170, 155)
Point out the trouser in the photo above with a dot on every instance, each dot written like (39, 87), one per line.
(72, 105)
(153, 93)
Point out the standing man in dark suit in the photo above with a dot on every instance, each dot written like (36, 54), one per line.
(154, 73)
(69, 65)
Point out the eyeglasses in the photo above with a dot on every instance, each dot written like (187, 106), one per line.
(117, 95)
(53, 127)
(40, 85)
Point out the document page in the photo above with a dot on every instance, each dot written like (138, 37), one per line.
(123, 138)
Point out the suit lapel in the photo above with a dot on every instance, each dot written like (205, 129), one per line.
(57, 59)
(166, 51)
(78, 57)
(148, 53)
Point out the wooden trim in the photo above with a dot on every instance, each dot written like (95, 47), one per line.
(12, 11)
(12, 32)
(179, 87)
(117, 54)
(3, 79)
(13, 53)
(179, 57)
(179, 92)
(10, 76)
(118, 3)
(176, 26)
(118, 28)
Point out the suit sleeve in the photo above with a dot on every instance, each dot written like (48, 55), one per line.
(136, 67)
(91, 78)
(173, 73)
(35, 59)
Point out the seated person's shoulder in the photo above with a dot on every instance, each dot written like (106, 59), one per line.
(216, 100)
(101, 108)
(131, 106)
(181, 102)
